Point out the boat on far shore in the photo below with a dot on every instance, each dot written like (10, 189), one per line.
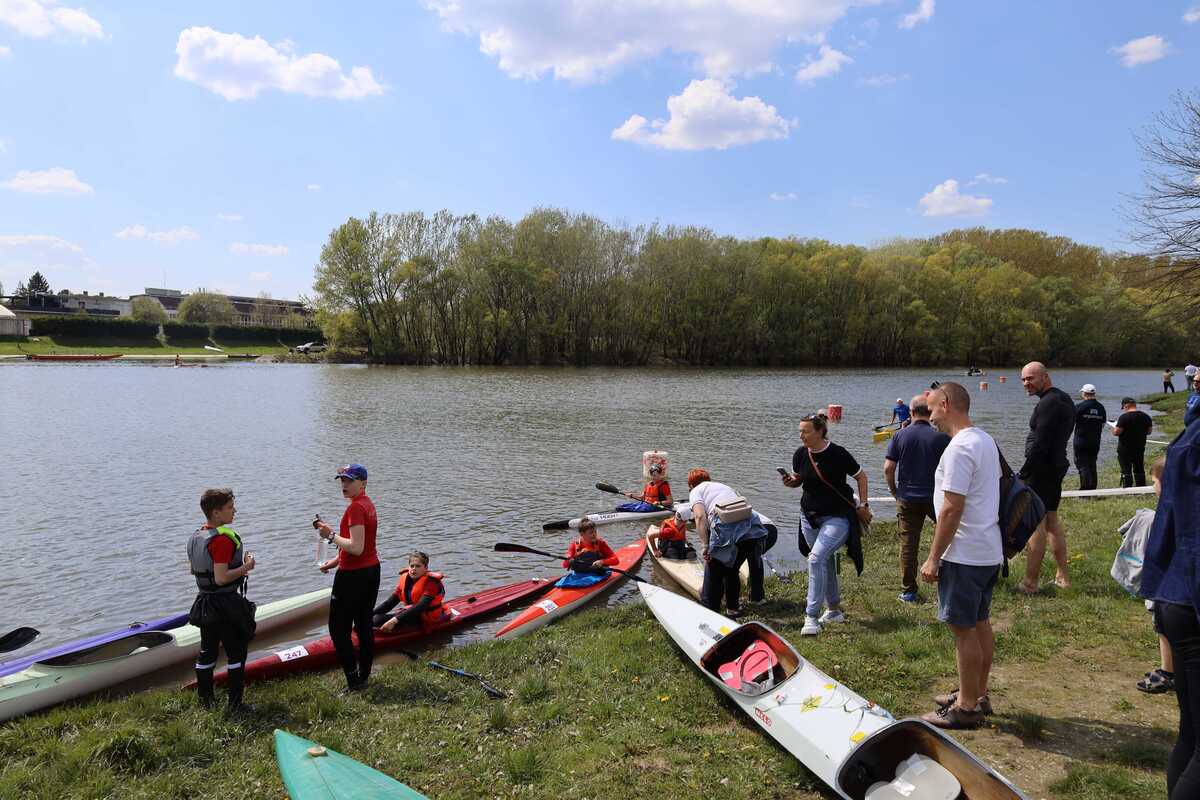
(72, 356)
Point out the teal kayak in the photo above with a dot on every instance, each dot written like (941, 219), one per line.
(312, 772)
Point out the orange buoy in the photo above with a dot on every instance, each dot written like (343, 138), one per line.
(834, 412)
(983, 386)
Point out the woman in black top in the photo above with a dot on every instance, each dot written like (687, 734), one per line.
(828, 513)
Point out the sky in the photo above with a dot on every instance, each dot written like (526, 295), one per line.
(217, 144)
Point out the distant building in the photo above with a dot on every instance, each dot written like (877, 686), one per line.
(247, 310)
(11, 324)
(96, 304)
(169, 299)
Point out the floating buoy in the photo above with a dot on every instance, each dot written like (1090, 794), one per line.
(983, 386)
(1003, 378)
(834, 413)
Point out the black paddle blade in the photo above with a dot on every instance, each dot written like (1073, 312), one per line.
(608, 487)
(509, 547)
(18, 638)
(560, 525)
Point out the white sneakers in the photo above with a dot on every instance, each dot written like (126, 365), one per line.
(832, 615)
(812, 626)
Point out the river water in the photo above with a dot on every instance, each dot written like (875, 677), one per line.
(103, 464)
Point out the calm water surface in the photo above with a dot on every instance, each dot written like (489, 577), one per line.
(104, 464)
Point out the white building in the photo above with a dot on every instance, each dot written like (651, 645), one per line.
(11, 324)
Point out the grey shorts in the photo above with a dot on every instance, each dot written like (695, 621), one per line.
(965, 593)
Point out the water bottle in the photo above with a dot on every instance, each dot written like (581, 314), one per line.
(320, 541)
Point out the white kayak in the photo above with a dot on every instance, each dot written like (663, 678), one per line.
(60, 678)
(606, 518)
(853, 745)
(689, 572)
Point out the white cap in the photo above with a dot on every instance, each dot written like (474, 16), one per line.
(684, 512)
(899, 400)
(1088, 388)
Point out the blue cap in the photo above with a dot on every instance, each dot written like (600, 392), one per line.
(354, 471)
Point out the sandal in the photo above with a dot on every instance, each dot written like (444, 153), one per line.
(1156, 682)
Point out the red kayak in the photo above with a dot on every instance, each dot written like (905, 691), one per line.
(72, 356)
(563, 600)
(319, 653)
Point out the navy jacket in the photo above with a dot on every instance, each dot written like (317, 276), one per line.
(1171, 570)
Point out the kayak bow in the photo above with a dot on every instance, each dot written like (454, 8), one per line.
(313, 772)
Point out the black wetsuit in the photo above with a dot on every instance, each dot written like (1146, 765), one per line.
(1090, 417)
(1046, 463)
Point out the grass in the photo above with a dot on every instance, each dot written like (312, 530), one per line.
(108, 345)
(602, 704)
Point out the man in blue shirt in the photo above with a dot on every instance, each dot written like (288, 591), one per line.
(901, 413)
(914, 452)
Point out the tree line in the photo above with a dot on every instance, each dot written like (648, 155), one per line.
(563, 288)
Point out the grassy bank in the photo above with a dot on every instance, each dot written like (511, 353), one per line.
(107, 345)
(602, 705)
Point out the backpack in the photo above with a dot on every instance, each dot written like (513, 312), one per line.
(1021, 510)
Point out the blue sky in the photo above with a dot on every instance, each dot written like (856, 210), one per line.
(212, 144)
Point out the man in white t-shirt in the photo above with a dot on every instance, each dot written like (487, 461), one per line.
(1190, 373)
(966, 554)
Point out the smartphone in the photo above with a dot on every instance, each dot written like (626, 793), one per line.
(782, 471)
(316, 519)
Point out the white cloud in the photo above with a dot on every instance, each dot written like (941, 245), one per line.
(39, 240)
(886, 79)
(1192, 15)
(5, 51)
(706, 116)
(39, 19)
(984, 177)
(172, 236)
(828, 62)
(238, 68)
(946, 201)
(924, 13)
(260, 276)
(221, 215)
(56, 180)
(781, 196)
(585, 40)
(1141, 51)
(313, 187)
(243, 248)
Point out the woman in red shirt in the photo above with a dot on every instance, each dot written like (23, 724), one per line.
(356, 583)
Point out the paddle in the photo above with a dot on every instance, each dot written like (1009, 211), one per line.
(608, 487)
(878, 428)
(492, 691)
(18, 638)
(507, 547)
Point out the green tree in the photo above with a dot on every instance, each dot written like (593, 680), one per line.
(206, 307)
(37, 285)
(147, 309)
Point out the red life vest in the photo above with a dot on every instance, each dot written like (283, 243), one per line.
(409, 595)
(672, 531)
(656, 493)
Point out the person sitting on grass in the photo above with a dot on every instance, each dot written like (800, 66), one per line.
(671, 539)
(420, 591)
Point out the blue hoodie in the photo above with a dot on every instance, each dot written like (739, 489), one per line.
(1171, 570)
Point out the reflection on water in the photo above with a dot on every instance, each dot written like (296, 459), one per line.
(105, 464)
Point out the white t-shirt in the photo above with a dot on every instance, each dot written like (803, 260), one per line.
(709, 494)
(1190, 369)
(970, 466)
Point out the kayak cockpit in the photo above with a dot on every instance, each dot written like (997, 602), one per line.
(751, 660)
(887, 757)
(125, 646)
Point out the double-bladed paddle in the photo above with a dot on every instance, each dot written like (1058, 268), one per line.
(508, 547)
(491, 691)
(608, 487)
(18, 638)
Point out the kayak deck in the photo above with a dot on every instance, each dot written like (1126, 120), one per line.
(688, 572)
(312, 772)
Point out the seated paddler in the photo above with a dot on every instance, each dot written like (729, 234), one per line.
(419, 593)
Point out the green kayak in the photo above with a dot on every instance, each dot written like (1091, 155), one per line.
(311, 772)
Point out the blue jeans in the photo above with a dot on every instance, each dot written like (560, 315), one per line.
(830, 534)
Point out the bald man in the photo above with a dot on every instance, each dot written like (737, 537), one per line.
(1050, 426)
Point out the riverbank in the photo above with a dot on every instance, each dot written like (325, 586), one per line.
(604, 706)
(46, 345)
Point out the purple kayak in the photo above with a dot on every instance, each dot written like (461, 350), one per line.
(164, 624)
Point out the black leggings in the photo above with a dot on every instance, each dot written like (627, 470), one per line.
(1133, 466)
(1182, 629)
(352, 604)
(722, 580)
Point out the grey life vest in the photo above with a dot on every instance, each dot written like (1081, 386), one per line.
(202, 562)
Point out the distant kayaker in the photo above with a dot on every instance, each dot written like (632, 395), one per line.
(178, 362)
(421, 593)
(1090, 417)
(657, 490)
(726, 544)
(356, 583)
(589, 550)
(829, 516)
(671, 539)
(1131, 430)
(221, 611)
(901, 413)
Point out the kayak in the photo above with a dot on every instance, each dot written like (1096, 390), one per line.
(50, 681)
(689, 572)
(857, 748)
(164, 624)
(562, 600)
(313, 772)
(882, 436)
(320, 653)
(606, 518)
(72, 356)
